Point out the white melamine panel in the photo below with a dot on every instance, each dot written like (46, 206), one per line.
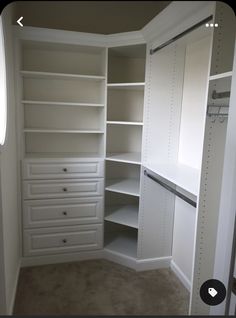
(163, 99)
(122, 170)
(74, 59)
(47, 103)
(58, 117)
(53, 143)
(156, 214)
(62, 239)
(33, 74)
(120, 199)
(125, 104)
(126, 157)
(61, 90)
(183, 237)
(123, 214)
(197, 60)
(124, 138)
(61, 168)
(46, 213)
(62, 188)
(126, 186)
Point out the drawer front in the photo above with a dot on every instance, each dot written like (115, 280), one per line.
(46, 213)
(41, 169)
(62, 189)
(62, 239)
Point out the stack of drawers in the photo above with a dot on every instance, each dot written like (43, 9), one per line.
(62, 205)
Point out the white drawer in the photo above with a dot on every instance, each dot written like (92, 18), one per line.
(62, 168)
(62, 188)
(46, 213)
(62, 239)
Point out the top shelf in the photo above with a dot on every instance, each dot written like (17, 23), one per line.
(33, 74)
(183, 176)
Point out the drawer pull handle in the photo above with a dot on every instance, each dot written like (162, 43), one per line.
(65, 169)
(64, 241)
(64, 213)
(65, 189)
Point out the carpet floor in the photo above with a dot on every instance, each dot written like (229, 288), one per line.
(98, 287)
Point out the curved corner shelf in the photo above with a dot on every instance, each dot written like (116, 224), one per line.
(125, 186)
(125, 215)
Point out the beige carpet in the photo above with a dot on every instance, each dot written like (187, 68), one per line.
(98, 287)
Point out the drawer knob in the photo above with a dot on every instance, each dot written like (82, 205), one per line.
(65, 189)
(65, 169)
(64, 213)
(64, 241)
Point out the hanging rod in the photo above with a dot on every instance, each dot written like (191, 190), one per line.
(217, 95)
(172, 190)
(195, 26)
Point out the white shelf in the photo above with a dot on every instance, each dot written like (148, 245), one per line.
(138, 85)
(125, 215)
(62, 131)
(131, 123)
(182, 176)
(221, 75)
(128, 157)
(126, 186)
(35, 102)
(65, 155)
(32, 74)
(123, 243)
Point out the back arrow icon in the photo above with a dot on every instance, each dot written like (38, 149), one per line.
(19, 21)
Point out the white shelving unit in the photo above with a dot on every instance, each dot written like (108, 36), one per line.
(126, 83)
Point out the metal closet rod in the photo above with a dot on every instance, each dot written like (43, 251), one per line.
(195, 26)
(172, 190)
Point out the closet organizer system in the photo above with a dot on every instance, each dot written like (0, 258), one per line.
(115, 138)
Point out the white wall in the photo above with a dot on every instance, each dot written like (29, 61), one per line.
(9, 205)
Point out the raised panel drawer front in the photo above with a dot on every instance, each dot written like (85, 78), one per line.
(62, 188)
(56, 169)
(46, 213)
(62, 239)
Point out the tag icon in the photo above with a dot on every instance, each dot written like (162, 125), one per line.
(212, 292)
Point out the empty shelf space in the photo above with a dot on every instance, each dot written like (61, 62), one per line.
(35, 102)
(127, 157)
(123, 243)
(62, 131)
(32, 74)
(125, 215)
(221, 75)
(131, 123)
(126, 186)
(182, 176)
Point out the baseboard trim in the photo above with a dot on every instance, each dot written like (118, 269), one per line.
(12, 302)
(179, 273)
(61, 258)
(153, 263)
(119, 258)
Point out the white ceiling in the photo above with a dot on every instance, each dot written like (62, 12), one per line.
(104, 17)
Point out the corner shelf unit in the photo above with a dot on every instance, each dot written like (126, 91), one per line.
(125, 99)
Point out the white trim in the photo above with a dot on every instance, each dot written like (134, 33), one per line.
(179, 273)
(13, 297)
(153, 263)
(62, 258)
(119, 258)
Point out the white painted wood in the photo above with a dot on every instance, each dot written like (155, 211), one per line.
(62, 239)
(128, 157)
(185, 177)
(35, 102)
(179, 273)
(45, 189)
(155, 220)
(127, 186)
(61, 168)
(62, 212)
(183, 238)
(126, 215)
(221, 75)
(131, 123)
(133, 86)
(61, 258)
(62, 131)
(34, 74)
